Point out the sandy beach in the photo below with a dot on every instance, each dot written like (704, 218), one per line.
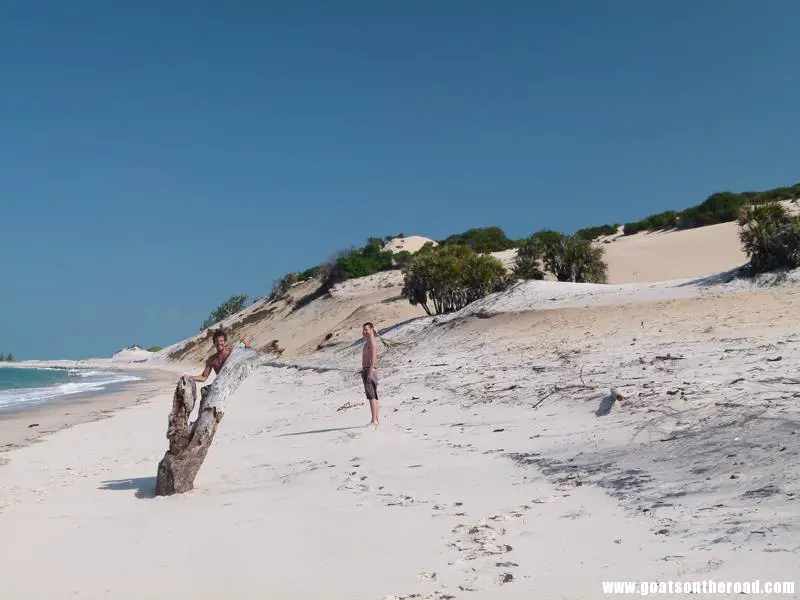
(504, 466)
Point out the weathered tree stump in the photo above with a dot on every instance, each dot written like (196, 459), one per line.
(189, 443)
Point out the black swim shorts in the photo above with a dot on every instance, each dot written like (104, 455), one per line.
(370, 387)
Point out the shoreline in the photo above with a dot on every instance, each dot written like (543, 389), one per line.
(28, 424)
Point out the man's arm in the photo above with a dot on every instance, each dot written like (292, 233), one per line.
(206, 373)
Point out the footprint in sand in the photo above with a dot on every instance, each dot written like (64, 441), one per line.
(575, 514)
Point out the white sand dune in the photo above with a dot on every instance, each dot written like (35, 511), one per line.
(412, 243)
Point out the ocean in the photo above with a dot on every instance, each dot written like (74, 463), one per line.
(21, 387)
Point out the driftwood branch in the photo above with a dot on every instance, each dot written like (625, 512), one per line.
(189, 444)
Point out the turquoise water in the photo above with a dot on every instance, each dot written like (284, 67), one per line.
(23, 386)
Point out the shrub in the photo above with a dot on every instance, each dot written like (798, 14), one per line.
(450, 277)
(402, 258)
(483, 239)
(154, 349)
(719, 207)
(529, 257)
(591, 233)
(665, 220)
(230, 307)
(544, 237)
(770, 237)
(10, 357)
(309, 273)
(573, 258)
(355, 263)
(282, 285)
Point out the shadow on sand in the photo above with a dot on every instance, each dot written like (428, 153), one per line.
(145, 486)
(311, 431)
(606, 404)
(717, 278)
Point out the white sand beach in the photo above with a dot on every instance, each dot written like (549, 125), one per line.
(504, 467)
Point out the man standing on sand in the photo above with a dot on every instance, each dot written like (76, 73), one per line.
(216, 361)
(369, 357)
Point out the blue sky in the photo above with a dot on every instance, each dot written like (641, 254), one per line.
(158, 157)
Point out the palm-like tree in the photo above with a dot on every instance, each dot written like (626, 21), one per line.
(770, 236)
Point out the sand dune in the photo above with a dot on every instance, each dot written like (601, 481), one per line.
(411, 243)
(660, 256)
(300, 325)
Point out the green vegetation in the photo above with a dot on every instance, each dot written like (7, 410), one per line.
(720, 207)
(569, 258)
(770, 237)
(591, 233)
(9, 358)
(365, 261)
(450, 277)
(574, 258)
(361, 262)
(230, 307)
(155, 349)
(308, 273)
(665, 220)
(483, 239)
(402, 258)
(529, 257)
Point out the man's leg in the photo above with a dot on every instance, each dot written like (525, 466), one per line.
(371, 390)
(373, 404)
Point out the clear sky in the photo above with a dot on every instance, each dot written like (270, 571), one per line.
(158, 157)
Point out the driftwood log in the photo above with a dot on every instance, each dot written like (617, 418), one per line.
(189, 443)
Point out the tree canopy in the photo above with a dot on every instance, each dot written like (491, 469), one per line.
(449, 277)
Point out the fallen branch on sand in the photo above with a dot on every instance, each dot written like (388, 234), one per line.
(668, 356)
(189, 444)
(786, 380)
(348, 405)
(543, 398)
(562, 388)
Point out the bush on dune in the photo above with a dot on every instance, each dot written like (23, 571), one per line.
(529, 259)
(450, 277)
(591, 233)
(230, 307)
(360, 262)
(720, 207)
(770, 237)
(482, 239)
(574, 258)
(569, 258)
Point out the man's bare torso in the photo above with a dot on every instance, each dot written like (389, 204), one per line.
(366, 354)
(219, 359)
